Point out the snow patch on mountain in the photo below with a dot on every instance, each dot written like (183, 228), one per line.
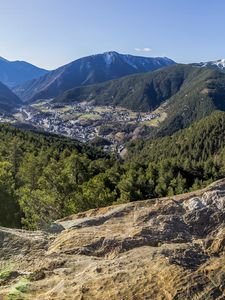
(219, 63)
(109, 57)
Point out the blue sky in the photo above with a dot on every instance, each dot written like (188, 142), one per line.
(50, 33)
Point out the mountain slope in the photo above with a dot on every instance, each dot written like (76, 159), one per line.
(204, 139)
(141, 92)
(88, 70)
(202, 94)
(13, 73)
(8, 100)
(187, 93)
(168, 248)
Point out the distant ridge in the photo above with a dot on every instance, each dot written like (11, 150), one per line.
(88, 70)
(13, 73)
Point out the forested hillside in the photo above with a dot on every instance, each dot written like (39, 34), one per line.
(44, 177)
(39, 173)
(140, 92)
(184, 161)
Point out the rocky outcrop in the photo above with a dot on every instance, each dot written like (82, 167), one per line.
(168, 248)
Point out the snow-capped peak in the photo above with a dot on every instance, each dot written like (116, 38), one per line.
(219, 63)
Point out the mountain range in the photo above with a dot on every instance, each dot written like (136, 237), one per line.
(187, 92)
(88, 70)
(17, 72)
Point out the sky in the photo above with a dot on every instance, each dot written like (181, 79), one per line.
(51, 33)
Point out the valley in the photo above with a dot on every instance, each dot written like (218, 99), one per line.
(106, 126)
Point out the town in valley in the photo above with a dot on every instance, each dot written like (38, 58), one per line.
(107, 126)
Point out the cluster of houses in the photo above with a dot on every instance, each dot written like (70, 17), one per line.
(53, 122)
(150, 117)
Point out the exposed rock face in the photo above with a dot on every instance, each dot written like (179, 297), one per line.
(168, 248)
